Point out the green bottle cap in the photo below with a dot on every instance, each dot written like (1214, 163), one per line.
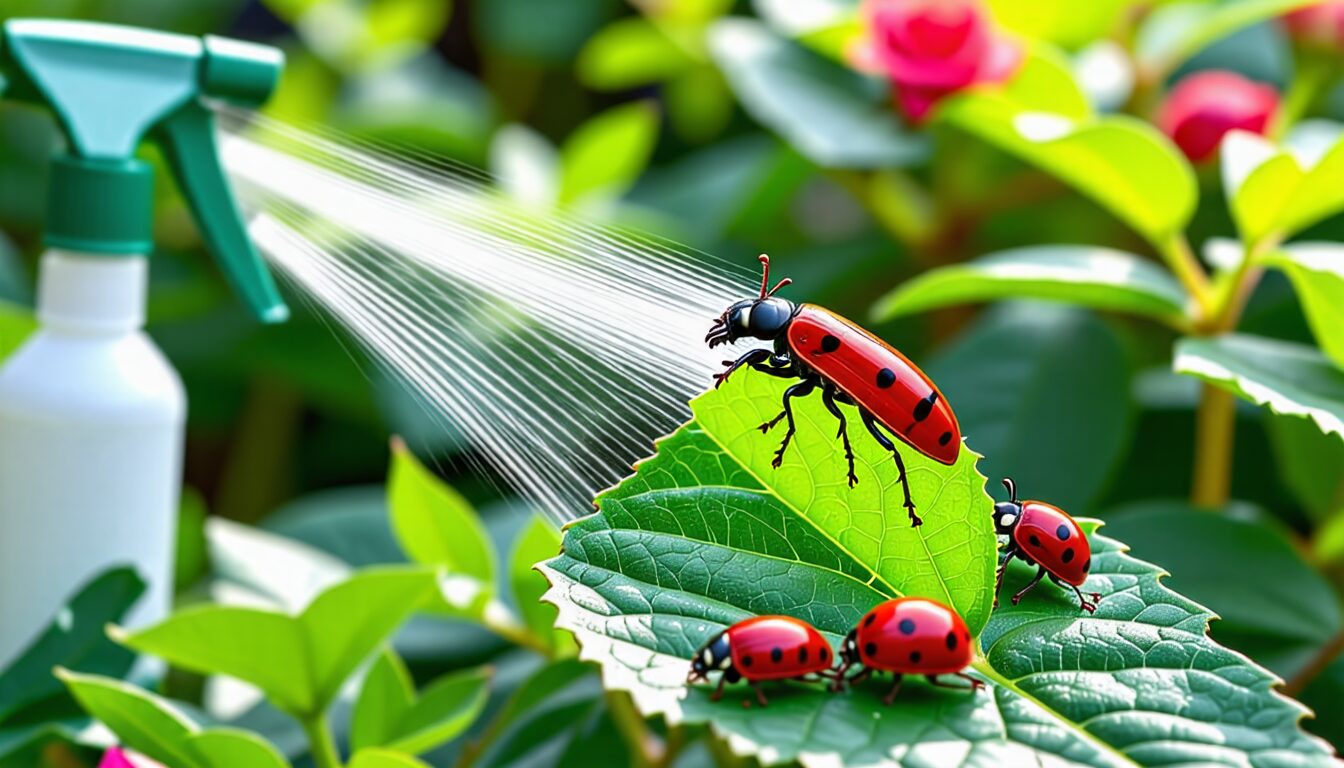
(100, 206)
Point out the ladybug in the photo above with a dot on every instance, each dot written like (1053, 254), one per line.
(1044, 534)
(850, 366)
(908, 636)
(762, 648)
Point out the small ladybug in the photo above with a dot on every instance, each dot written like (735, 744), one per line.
(908, 636)
(762, 648)
(1043, 533)
(850, 366)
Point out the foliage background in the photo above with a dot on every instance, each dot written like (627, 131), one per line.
(286, 433)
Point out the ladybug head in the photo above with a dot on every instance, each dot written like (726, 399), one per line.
(764, 317)
(1007, 513)
(714, 655)
(849, 649)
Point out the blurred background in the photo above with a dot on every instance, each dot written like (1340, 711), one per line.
(289, 429)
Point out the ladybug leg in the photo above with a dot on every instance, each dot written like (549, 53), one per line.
(975, 684)
(1090, 607)
(801, 389)
(1004, 559)
(895, 689)
(828, 397)
(760, 694)
(1040, 574)
(885, 442)
(750, 358)
(718, 691)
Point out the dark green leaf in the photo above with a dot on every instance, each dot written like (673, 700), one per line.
(831, 115)
(1089, 276)
(1310, 463)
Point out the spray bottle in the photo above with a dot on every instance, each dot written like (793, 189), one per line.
(91, 413)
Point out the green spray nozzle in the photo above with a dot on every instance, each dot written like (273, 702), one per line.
(112, 87)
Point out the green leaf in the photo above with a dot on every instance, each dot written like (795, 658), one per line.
(388, 713)
(1277, 192)
(544, 717)
(1173, 33)
(831, 115)
(1311, 465)
(300, 662)
(1088, 276)
(828, 26)
(74, 639)
(607, 154)
(629, 53)
(1271, 604)
(384, 700)
(16, 325)
(155, 729)
(1027, 370)
(1124, 164)
(435, 525)
(385, 758)
(538, 542)
(1063, 22)
(1290, 379)
(1138, 683)
(1317, 272)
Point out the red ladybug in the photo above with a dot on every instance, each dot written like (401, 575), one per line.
(1043, 533)
(762, 648)
(850, 366)
(908, 636)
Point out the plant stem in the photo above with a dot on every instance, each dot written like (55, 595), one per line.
(1215, 429)
(321, 744)
(1181, 259)
(646, 749)
(1315, 666)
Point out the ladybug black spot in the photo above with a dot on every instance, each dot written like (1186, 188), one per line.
(776, 655)
(829, 343)
(1087, 565)
(825, 653)
(871, 618)
(885, 378)
(870, 650)
(1034, 540)
(924, 407)
(915, 656)
(945, 438)
(1062, 532)
(802, 655)
(1068, 555)
(907, 626)
(951, 641)
(746, 661)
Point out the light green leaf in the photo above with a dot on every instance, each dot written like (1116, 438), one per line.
(1138, 683)
(74, 639)
(1088, 276)
(538, 541)
(384, 699)
(1290, 379)
(1045, 83)
(1176, 31)
(16, 325)
(300, 662)
(1317, 272)
(1063, 22)
(607, 154)
(434, 524)
(833, 116)
(1277, 192)
(1124, 164)
(155, 729)
(1026, 370)
(1311, 465)
(828, 26)
(385, 758)
(629, 53)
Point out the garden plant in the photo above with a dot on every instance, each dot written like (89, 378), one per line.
(1106, 239)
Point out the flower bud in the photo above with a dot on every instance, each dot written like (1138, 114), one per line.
(1320, 25)
(1203, 107)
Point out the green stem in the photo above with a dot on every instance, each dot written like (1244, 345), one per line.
(1315, 666)
(321, 744)
(1215, 430)
(1182, 262)
(646, 749)
(1314, 75)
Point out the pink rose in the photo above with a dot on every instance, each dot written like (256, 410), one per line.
(1203, 107)
(1320, 25)
(115, 758)
(933, 48)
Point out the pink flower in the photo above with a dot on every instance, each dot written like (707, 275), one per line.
(1203, 107)
(1319, 25)
(115, 758)
(933, 48)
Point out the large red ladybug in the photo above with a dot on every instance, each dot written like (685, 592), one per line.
(762, 648)
(850, 366)
(908, 636)
(1044, 534)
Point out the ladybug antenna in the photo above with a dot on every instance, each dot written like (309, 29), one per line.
(1012, 488)
(765, 278)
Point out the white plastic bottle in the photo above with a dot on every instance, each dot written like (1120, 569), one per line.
(91, 428)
